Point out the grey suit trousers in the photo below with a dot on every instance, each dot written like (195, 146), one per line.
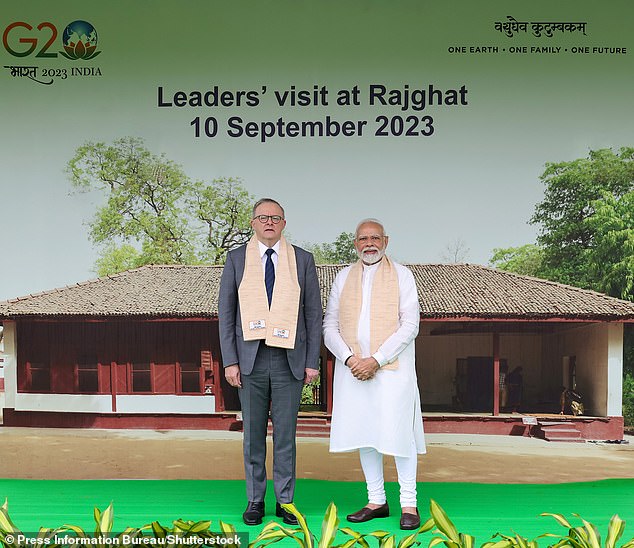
(271, 385)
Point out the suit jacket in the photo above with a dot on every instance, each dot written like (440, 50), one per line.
(235, 350)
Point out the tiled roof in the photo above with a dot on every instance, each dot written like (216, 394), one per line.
(149, 291)
(445, 291)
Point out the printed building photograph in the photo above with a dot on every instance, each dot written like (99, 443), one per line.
(497, 353)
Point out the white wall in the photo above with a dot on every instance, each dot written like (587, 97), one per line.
(598, 349)
(615, 370)
(89, 403)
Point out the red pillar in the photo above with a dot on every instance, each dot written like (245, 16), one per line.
(496, 374)
(113, 385)
(330, 373)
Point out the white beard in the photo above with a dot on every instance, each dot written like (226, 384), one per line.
(371, 259)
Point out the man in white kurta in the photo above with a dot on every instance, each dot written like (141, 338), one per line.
(376, 405)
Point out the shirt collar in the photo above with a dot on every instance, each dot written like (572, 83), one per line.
(263, 248)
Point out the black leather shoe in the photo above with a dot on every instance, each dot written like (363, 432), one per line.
(410, 521)
(287, 517)
(254, 513)
(366, 514)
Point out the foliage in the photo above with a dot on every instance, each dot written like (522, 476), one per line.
(223, 210)
(443, 532)
(628, 349)
(611, 254)
(628, 399)
(587, 536)
(308, 392)
(341, 251)
(10, 534)
(113, 259)
(153, 212)
(274, 532)
(574, 193)
(525, 260)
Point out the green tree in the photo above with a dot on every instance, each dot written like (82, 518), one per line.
(224, 210)
(113, 259)
(153, 212)
(341, 251)
(525, 260)
(573, 191)
(611, 253)
(145, 199)
(628, 398)
(587, 232)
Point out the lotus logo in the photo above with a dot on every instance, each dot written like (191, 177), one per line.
(80, 41)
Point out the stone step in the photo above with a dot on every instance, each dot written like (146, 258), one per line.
(559, 431)
(310, 427)
(566, 440)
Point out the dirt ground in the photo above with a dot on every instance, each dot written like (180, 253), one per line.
(143, 454)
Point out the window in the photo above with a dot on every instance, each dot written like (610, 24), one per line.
(190, 378)
(40, 376)
(141, 377)
(88, 374)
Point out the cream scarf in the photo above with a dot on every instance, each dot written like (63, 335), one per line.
(384, 308)
(277, 326)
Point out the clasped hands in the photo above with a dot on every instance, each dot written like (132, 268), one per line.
(363, 369)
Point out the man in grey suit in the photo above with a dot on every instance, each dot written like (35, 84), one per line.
(270, 317)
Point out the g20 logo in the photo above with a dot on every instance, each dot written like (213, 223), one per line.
(79, 40)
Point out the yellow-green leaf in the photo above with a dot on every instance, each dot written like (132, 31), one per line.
(104, 525)
(443, 523)
(199, 527)
(499, 544)
(616, 527)
(592, 534)
(427, 526)
(466, 541)
(408, 540)
(308, 536)
(329, 526)
(379, 533)
(562, 520)
(436, 540)
(75, 529)
(226, 527)
(6, 524)
(158, 530)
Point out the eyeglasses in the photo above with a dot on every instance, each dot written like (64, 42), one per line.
(275, 219)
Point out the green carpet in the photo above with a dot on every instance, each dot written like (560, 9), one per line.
(477, 509)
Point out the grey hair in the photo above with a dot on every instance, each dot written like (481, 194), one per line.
(369, 220)
(267, 201)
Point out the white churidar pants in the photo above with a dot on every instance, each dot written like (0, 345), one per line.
(372, 465)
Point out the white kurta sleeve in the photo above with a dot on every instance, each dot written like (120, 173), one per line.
(409, 320)
(332, 336)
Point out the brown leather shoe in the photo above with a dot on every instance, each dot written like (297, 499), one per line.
(410, 521)
(366, 514)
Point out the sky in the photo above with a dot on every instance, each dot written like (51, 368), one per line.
(526, 100)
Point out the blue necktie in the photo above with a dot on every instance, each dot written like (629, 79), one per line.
(269, 275)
